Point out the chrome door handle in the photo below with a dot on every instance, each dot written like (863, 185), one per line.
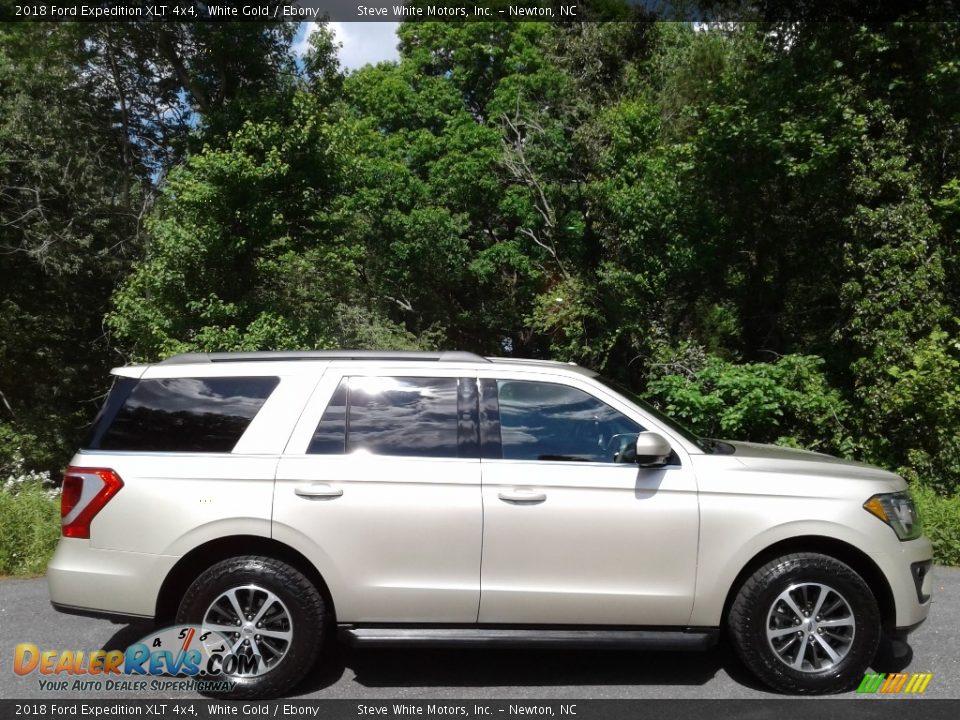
(522, 496)
(318, 492)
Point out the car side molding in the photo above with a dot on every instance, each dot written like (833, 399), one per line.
(551, 637)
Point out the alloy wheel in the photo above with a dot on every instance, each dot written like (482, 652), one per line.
(256, 622)
(810, 627)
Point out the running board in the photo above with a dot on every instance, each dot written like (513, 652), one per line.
(457, 637)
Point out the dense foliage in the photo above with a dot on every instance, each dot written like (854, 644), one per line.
(757, 225)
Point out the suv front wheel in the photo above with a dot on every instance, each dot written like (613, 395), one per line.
(271, 616)
(806, 623)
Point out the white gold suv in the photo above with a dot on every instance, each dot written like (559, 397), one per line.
(451, 499)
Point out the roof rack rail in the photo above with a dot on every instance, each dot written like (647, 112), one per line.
(529, 361)
(268, 356)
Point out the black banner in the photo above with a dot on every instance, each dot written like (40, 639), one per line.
(865, 708)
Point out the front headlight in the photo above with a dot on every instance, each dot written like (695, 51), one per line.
(898, 511)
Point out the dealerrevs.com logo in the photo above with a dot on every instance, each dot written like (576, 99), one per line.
(187, 656)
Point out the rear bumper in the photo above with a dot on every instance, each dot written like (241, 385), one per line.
(105, 583)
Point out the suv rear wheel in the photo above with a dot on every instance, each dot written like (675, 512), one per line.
(806, 623)
(271, 616)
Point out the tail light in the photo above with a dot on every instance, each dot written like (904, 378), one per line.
(85, 492)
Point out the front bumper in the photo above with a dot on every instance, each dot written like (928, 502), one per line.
(922, 580)
(907, 568)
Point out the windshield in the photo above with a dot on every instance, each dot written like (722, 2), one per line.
(702, 443)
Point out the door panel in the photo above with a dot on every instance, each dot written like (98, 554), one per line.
(607, 545)
(395, 531)
(570, 542)
(398, 537)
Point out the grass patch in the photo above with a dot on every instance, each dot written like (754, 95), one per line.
(29, 527)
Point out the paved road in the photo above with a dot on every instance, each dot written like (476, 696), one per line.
(26, 616)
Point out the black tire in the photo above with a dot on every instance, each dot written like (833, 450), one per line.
(762, 604)
(298, 597)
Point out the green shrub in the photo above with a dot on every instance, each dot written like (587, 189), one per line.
(29, 521)
(787, 402)
(940, 516)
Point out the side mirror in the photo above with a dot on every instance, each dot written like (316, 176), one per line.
(653, 450)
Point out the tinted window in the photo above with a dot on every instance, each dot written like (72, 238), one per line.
(709, 446)
(185, 414)
(122, 387)
(546, 421)
(468, 422)
(411, 416)
(489, 416)
(330, 436)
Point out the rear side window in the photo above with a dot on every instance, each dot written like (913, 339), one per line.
(330, 436)
(181, 414)
(400, 416)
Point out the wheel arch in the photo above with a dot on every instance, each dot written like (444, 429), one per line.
(191, 565)
(846, 553)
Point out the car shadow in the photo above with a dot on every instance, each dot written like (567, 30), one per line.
(894, 655)
(129, 634)
(419, 667)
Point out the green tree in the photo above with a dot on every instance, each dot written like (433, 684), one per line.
(69, 213)
(92, 117)
(241, 255)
